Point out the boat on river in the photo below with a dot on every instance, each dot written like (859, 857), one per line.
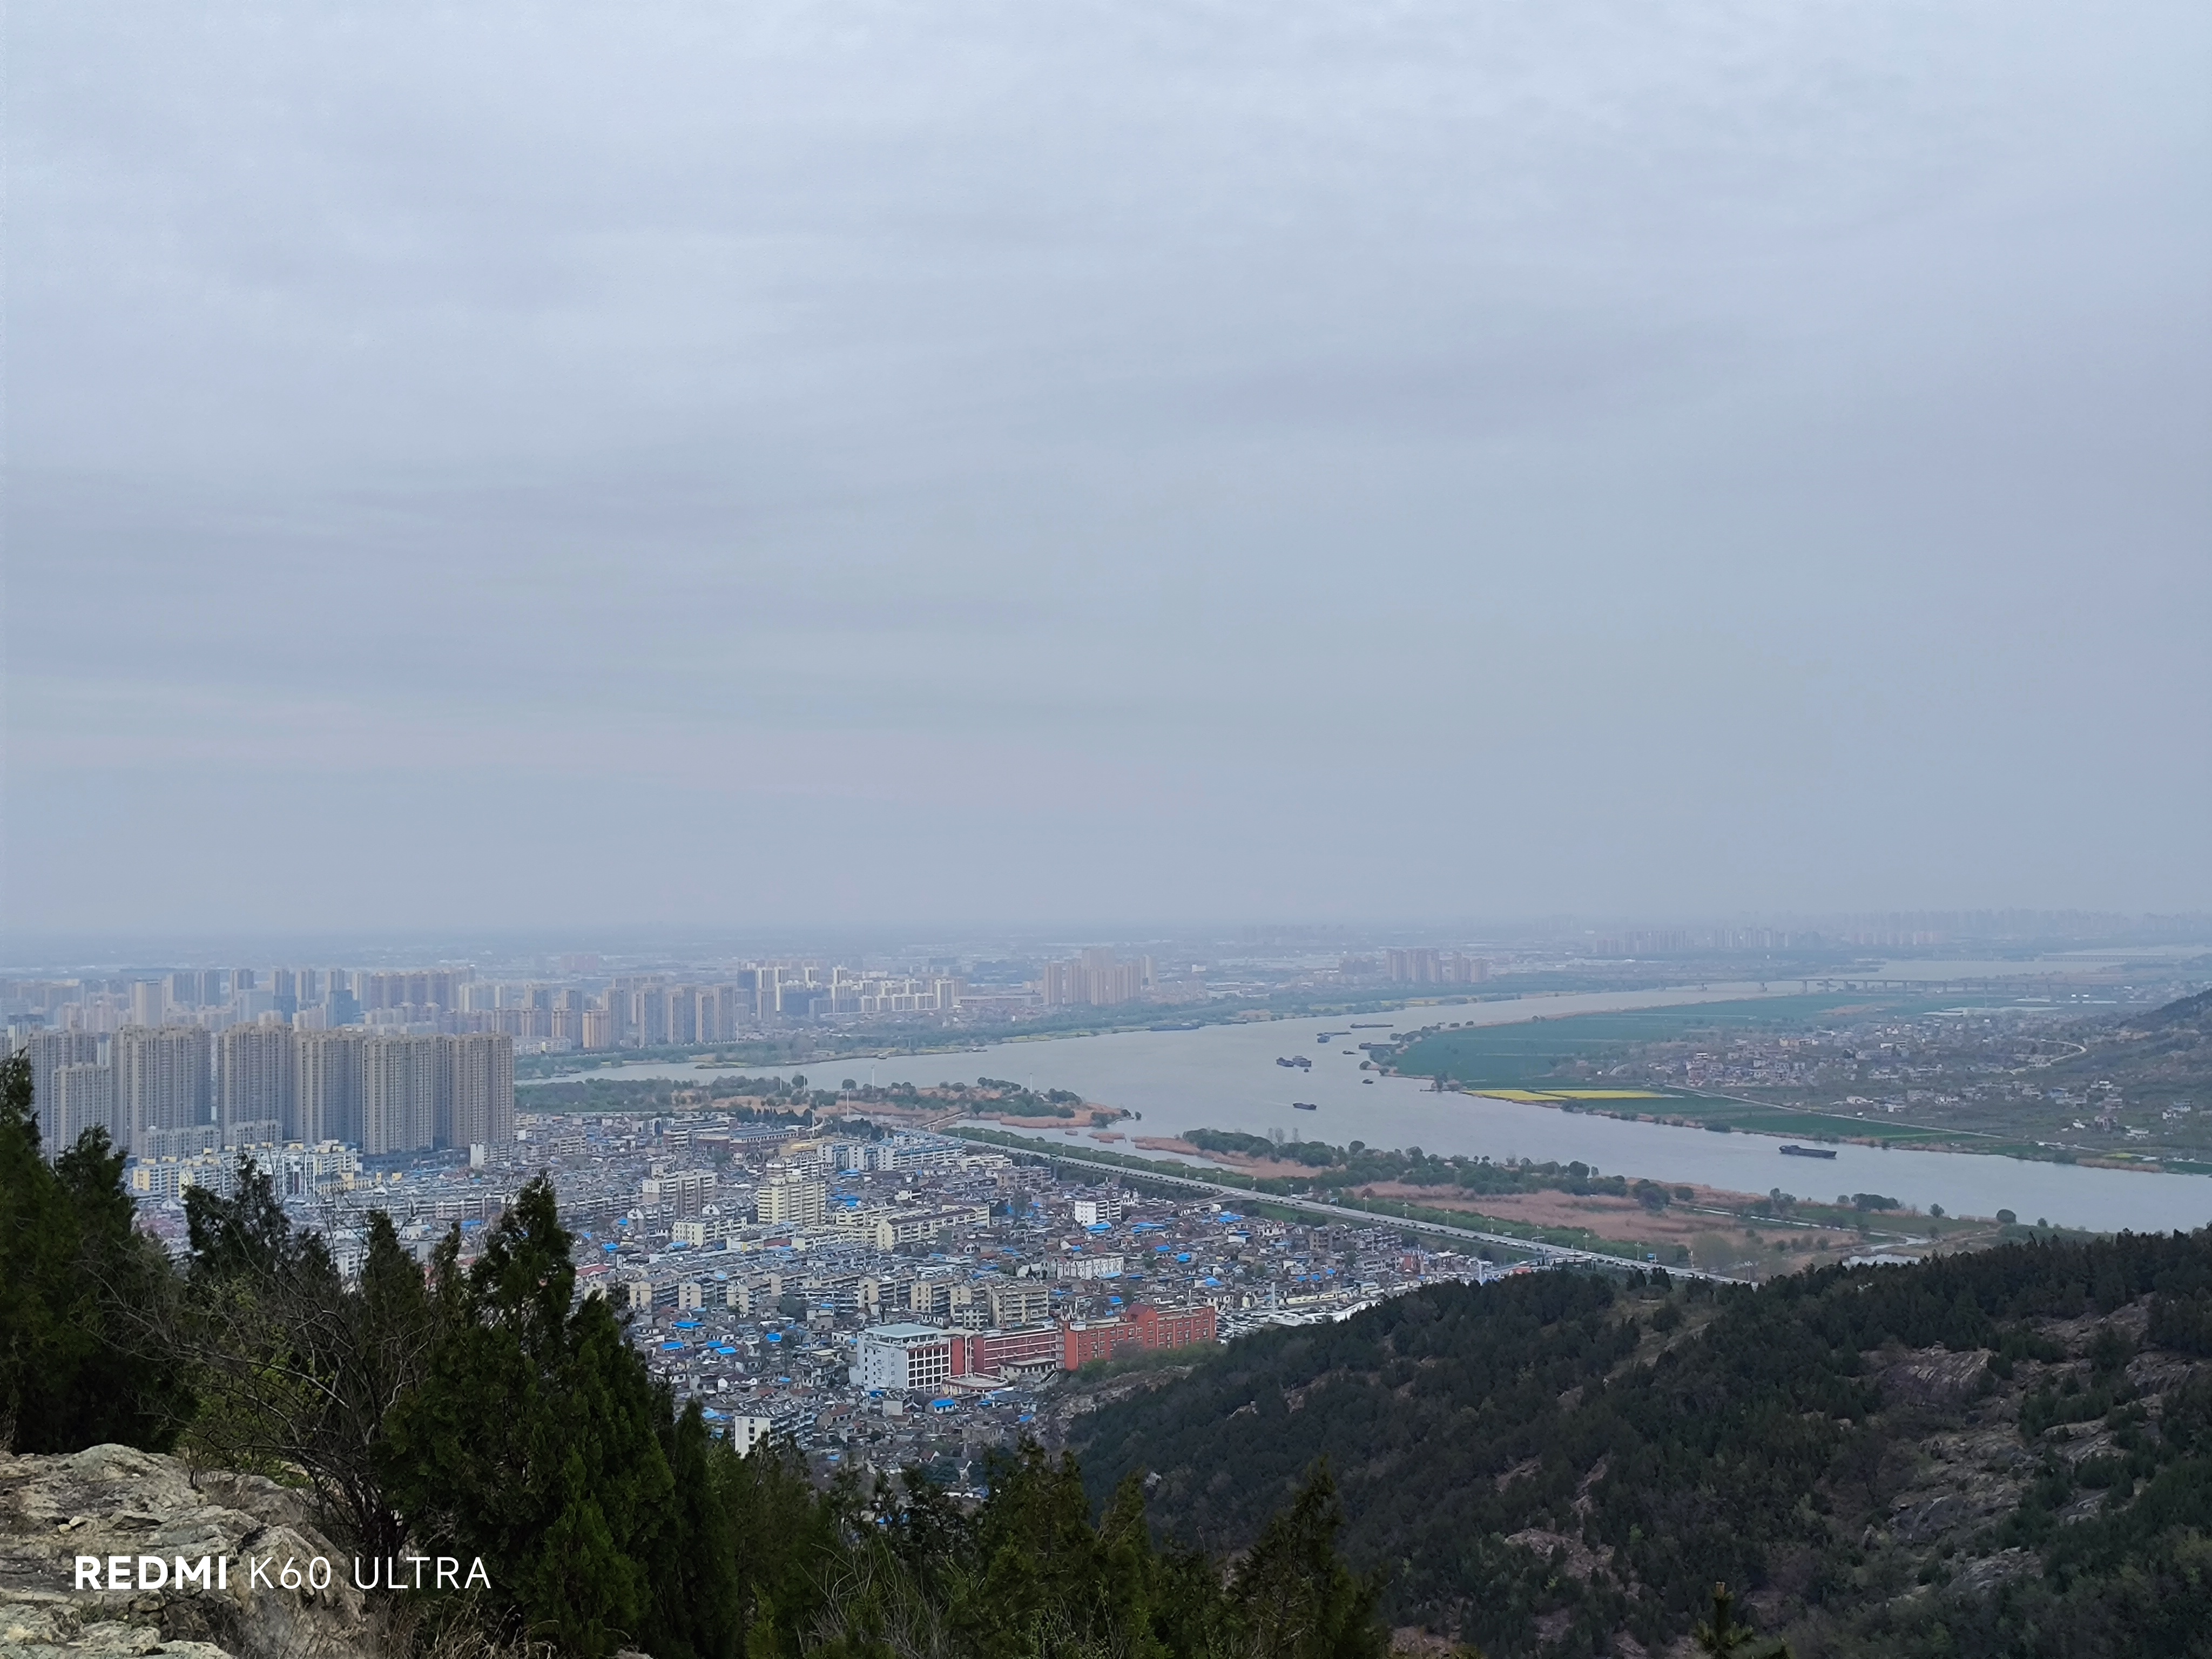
(1807, 1151)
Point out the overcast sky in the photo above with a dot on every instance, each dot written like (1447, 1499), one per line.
(527, 465)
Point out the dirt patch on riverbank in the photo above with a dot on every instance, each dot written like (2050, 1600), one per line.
(1713, 1240)
(1251, 1166)
(1082, 1123)
(1609, 1217)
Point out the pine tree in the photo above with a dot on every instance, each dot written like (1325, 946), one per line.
(1726, 1637)
(294, 1369)
(243, 1234)
(73, 1271)
(697, 1607)
(1299, 1598)
(786, 1535)
(538, 1441)
(1041, 1561)
(391, 1325)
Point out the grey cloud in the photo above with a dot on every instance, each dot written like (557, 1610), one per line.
(1157, 454)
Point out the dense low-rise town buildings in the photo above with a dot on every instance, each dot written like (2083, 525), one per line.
(880, 1295)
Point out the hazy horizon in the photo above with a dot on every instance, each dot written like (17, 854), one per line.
(627, 949)
(495, 473)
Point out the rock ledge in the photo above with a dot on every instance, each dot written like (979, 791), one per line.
(114, 1501)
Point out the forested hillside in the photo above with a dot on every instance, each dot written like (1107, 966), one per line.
(2008, 1453)
(2164, 1054)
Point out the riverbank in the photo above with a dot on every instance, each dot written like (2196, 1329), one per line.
(1706, 1226)
(1225, 1076)
(1739, 1234)
(1552, 1063)
(801, 1049)
(1723, 1115)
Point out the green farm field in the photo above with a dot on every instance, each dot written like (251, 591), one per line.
(1524, 1056)
(1537, 1055)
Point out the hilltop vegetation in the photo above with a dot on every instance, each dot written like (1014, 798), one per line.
(2005, 1453)
(2161, 1056)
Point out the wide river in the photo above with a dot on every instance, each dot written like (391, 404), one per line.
(1224, 1077)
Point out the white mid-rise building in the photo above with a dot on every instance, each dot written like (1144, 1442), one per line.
(1088, 1267)
(160, 1178)
(746, 1433)
(899, 1357)
(783, 1202)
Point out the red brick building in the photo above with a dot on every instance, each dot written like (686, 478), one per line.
(986, 1353)
(1146, 1328)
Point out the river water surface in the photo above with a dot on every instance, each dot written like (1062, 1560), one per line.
(1224, 1077)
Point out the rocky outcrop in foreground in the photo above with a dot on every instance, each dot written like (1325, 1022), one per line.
(143, 1516)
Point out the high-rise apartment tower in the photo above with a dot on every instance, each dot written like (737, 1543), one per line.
(50, 1052)
(163, 1102)
(260, 1086)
